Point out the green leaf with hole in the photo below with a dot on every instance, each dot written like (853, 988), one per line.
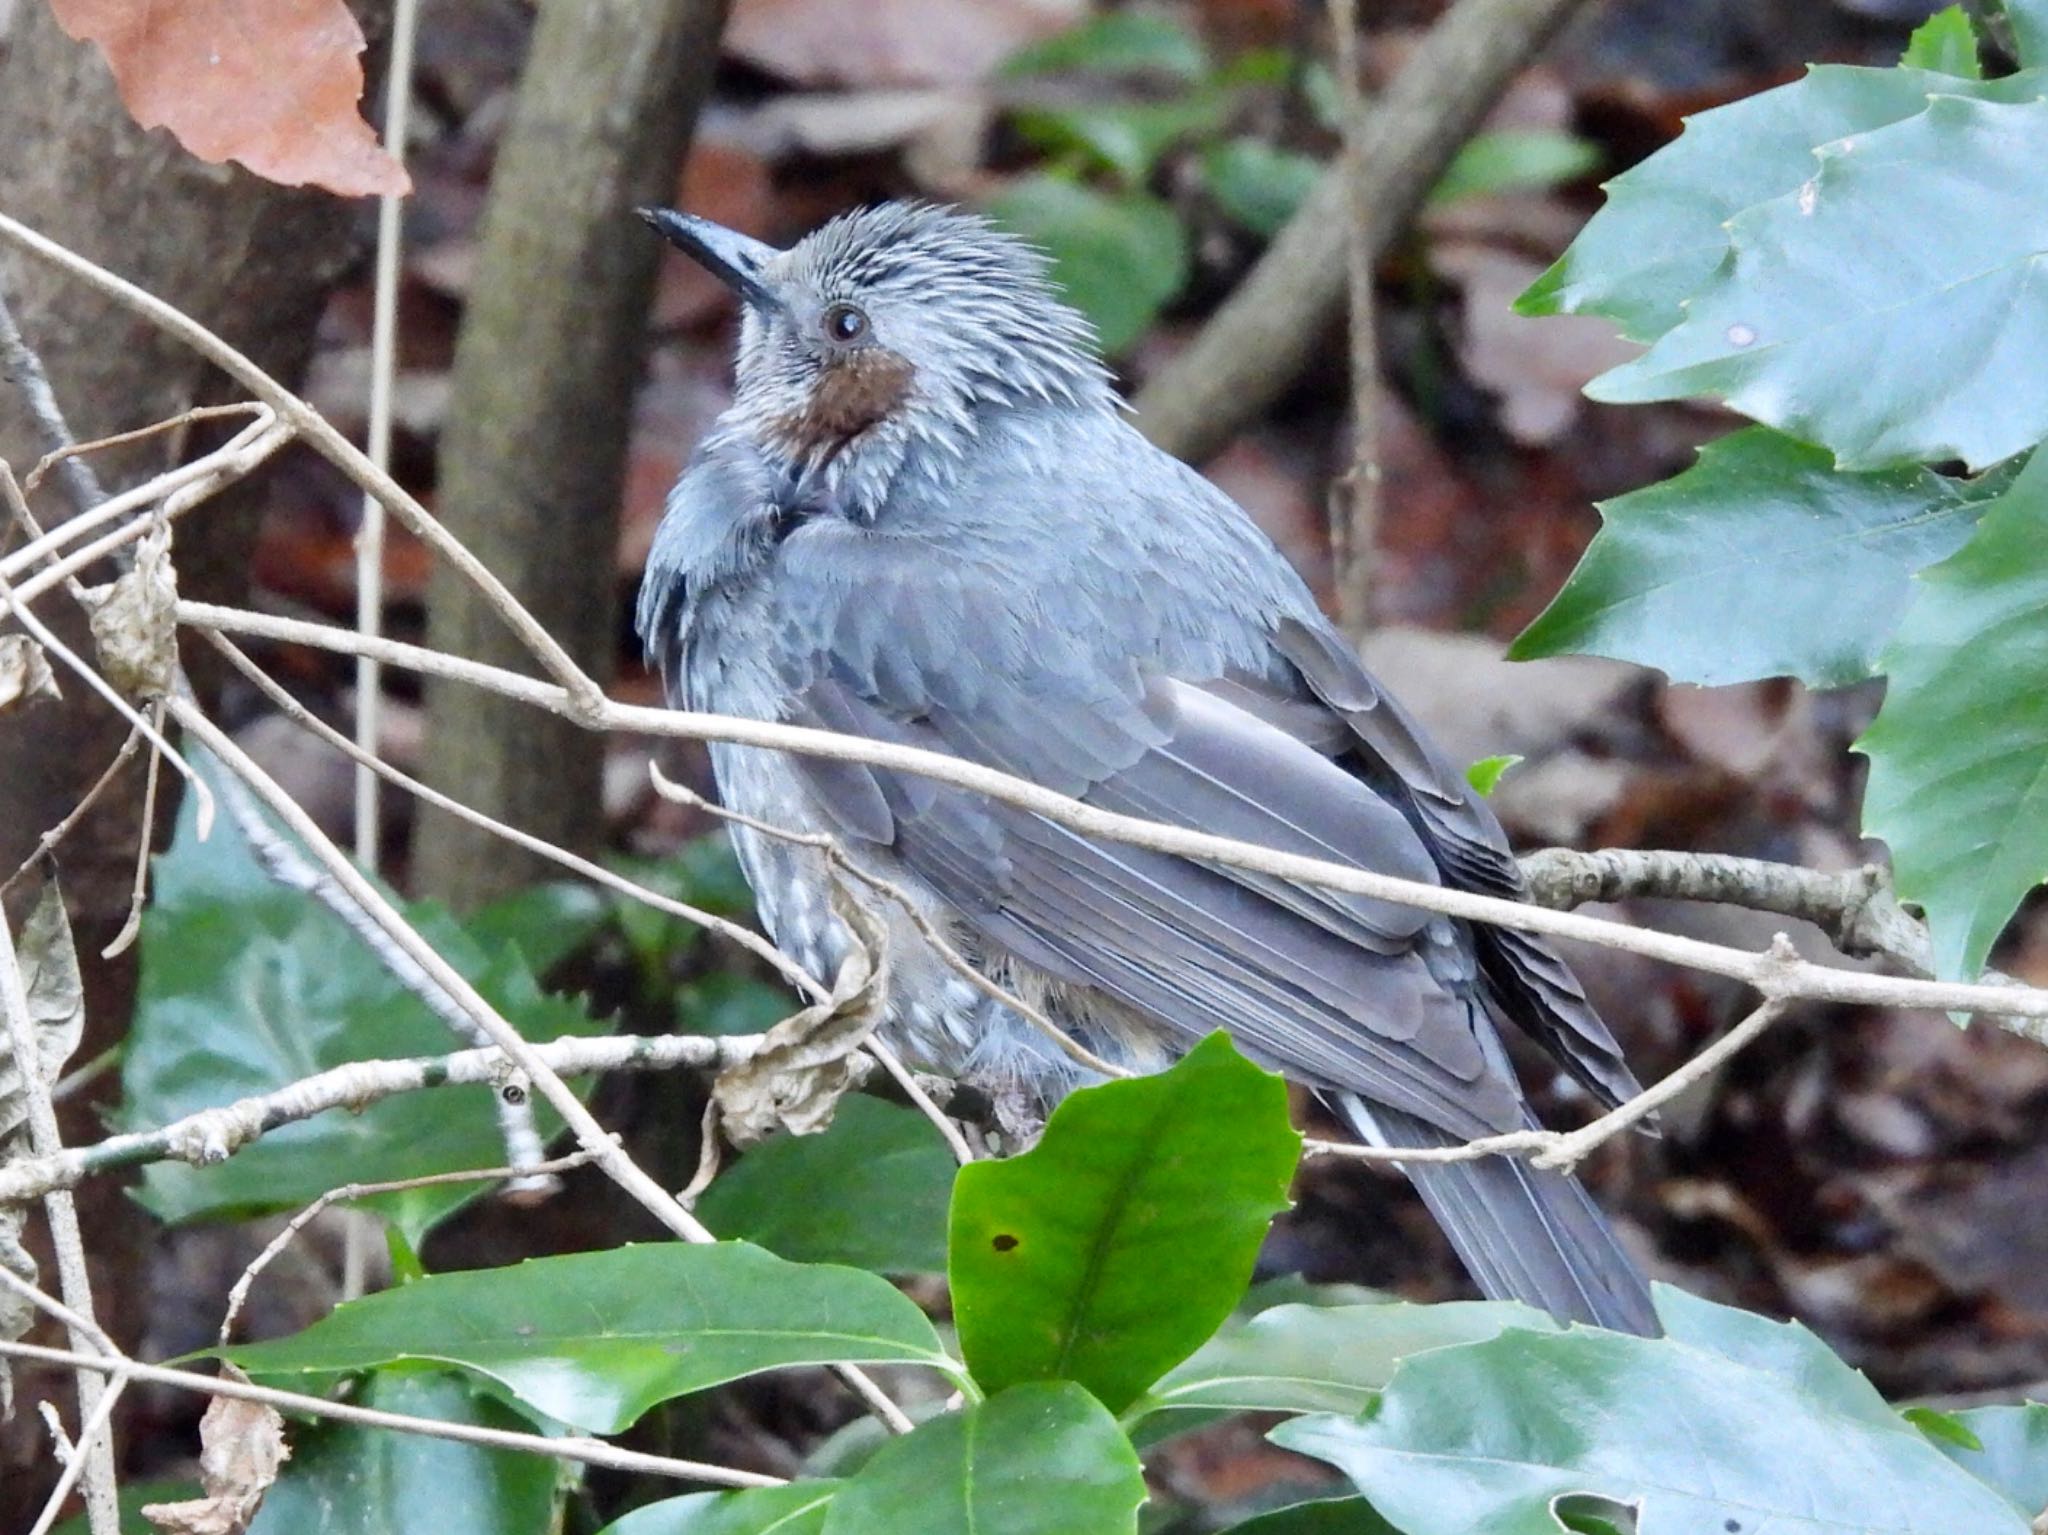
(1484, 1438)
(1663, 232)
(798, 1509)
(2011, 1452)
(1762, 560)
(1514, 160)
(248, 986)
(1945, 43)
(346, 1479)
(1958, 783)
(1257, 185)
(1324, 1358)
(1112, 1249)
(1892, 307)
(595, 1339)
(1119, 43)
(1118, 257)
(1037, 1459)
(870, 1191)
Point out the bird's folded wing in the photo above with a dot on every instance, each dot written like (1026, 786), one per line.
(1342, 991)
(1534, 986)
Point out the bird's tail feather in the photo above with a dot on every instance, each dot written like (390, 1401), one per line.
(1524, 1233)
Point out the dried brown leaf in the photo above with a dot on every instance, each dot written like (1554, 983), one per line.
(56, 1004)
(273, 84)
(241, 1448)
(806, 1063)
(25, 674)
(135, 621)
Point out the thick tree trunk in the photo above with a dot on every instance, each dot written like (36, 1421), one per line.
(534, 452)
(255, 262)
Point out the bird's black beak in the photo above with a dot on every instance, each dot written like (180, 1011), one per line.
(733, 258)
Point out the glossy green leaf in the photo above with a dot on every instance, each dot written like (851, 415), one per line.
(1117, 43)
(1257, 185)
(2011, 1453)
(1787, 1350)
(1126, 137)
(345, 1479)
(1958, 783)
(1119, 257)
(595, 1339)
(1038, 1459)
(1485, 774)
(1327, 1516)
(1761, 560)
(1514, 160)
(1481, 1439)
(247, 986)
(1946, 43)
(1662, 233)
(870, 1191)
(798, 1509)
(1325, 1358)
(1111, 1250)
(1890, 309)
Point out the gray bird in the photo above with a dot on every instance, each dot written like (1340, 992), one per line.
(926, 520)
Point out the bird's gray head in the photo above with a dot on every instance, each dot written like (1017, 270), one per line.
(889, 331)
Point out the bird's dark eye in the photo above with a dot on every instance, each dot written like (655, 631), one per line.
(845, 324)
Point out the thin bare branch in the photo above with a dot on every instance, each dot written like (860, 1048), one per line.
(2024, 1009)
(583, 694)
(1355, 497)
(18, 1028)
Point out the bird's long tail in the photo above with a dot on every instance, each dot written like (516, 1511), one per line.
(1524, 1234)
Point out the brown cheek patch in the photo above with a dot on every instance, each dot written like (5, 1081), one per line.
(855, 392)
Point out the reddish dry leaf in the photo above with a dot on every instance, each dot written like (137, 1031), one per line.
(273, 84)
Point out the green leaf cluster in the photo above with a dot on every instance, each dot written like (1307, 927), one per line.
(1099, 1290)
(1148, 85)
(1855, 262)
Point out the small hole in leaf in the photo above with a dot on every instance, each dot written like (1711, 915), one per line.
(1733, 1527)
(1003, 1242)
(513, 1094)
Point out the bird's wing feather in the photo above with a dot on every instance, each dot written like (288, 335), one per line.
(1335, 988)
(1533, 985)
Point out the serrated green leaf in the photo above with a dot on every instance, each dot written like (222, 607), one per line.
(1107, 1253)
(248, 986)
(1257, 185)
(1958, 783)
(1762, 560)
(1661, 235)
(1119, 257)
(870, 1191)
(1117, 43)
(1892, 307)
(595, 1339)
(1485, 774)
(1482, 1439)
(346, 1479)
(1787, 1350)
(798, 1509)
(1946, 43)
(2011, 1453)
(1513, 160)
(1038, 1459)
(1327, 1516)
(1325, 1358)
